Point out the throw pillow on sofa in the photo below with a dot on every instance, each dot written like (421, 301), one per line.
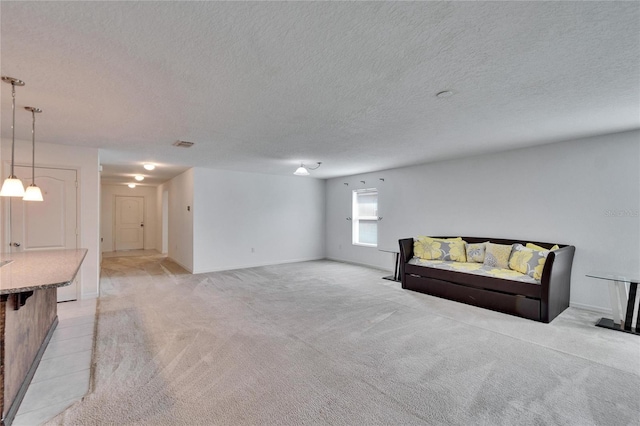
(454, 251)
(497, 255)
(428, 248)
(528, 261)
(475, 252)
(537, 247)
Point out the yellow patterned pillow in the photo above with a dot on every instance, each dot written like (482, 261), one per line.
(497, 255)
(528, 261)
(455, 251)
(537, 247)
(428, 248)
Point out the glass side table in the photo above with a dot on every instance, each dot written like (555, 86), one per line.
(396, 271)
(622, 303)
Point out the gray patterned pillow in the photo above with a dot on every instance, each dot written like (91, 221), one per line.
(475, 252)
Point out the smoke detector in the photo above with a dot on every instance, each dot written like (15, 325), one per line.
(183, 144)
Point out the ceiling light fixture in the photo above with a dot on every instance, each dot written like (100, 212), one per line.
(444, 94)
(33, 193)
(131, 185)
(12, 186)
(149, 166)
(304, 170)
(183, 144)
(139, 178)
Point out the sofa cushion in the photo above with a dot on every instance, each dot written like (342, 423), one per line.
(440, 249)
(475, 269)
(528, 261)
(497, 255)
(475, 252)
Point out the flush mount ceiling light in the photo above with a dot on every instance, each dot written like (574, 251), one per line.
(33, 193)
(12, 186)
(444, 94)
(149, 166)
(139, 178)
(304, 170)
(131, 185)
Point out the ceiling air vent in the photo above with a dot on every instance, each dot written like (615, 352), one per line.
(183, 144)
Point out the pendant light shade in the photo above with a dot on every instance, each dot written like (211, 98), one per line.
(304, 170)
(33, 193)
(12, 186)
(301, 171)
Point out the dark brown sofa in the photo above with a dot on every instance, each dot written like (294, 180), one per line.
(540, 302)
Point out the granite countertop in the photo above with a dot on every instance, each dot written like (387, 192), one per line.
(35, 270)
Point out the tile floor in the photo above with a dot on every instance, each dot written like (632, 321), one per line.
(63, 375)
(129, 253)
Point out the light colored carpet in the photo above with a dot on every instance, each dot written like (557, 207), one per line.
(330, 343)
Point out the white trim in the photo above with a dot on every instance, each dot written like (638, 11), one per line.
(606, 311)
(91, 295)
(254, 265)
(364, 245)
(368, 265)
(183, 266)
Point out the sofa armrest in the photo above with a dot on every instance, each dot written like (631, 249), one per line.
(406, 253)
(406, 249)
(556, 282)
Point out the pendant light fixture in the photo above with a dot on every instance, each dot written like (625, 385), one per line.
(304, 170)
(33, 193)
(12, 186)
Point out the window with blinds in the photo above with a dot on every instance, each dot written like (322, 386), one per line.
(365, 217)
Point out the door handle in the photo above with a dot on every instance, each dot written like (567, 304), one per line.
(15, 244)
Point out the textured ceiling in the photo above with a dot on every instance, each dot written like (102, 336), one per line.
(261, 86)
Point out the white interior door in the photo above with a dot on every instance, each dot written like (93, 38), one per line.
(50, 224)
(129, 226)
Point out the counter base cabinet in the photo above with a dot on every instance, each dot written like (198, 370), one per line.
(24, 335)
(29, 284)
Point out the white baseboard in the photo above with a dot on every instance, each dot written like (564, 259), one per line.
(599, 309)
(252, 265)
(88, 296)
(183, 266)
(368, 265)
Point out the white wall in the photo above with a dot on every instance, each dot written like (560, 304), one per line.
(249, 219)
(86, 161)
(159, 216)
(583, 192)
(107, 209)
(180, 219)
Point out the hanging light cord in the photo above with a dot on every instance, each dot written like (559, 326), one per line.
(13, 126)
(33, 148)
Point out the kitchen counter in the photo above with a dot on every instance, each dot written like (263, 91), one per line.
(28, 316)
(34, 270)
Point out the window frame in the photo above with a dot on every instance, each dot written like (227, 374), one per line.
(355, 218)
